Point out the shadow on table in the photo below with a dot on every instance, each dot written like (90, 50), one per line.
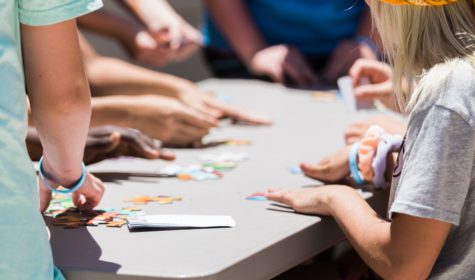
(75, 249)
(284, 209)
(116, 177)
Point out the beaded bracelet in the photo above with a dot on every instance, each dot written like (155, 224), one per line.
(73, 188)
(353, 163)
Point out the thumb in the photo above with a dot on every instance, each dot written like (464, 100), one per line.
(371, 91)
(145, 40)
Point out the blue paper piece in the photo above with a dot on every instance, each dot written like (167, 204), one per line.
(257, 198)
(295, 170)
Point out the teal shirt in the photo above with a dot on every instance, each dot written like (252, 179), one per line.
(25, 251)
(315, 27)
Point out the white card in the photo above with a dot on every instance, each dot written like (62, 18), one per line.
(345, 84)
(180, 221)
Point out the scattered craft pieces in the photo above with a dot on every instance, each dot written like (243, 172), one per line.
(161, 199)
(221, 165)
(256, 198)
(73, 218)
(213, 140)
(324, 95)
(200, 172)
(211, 169)
(131, 209)
(64, 214)
(295, 170)
(118, 223)
(184, 177)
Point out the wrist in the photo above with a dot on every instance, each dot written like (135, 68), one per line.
(129, 35)
(183, 89)
(249, 55)
(63, 175)
(337, 195)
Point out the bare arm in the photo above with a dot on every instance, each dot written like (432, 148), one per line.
(282, 63)
(237, 26)
(152, 12)
(108, 24)
(351, 49)
(109, 75)
(59, 96)
(405, 248)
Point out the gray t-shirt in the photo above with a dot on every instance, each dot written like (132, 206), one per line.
(435, 177)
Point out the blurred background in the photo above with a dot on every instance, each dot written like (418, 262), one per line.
(193, 69)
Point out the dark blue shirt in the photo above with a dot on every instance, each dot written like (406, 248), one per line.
(313, 26)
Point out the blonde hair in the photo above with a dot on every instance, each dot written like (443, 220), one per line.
(423, 44)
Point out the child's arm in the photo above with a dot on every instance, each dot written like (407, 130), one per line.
(351, 49)
(277, 62)
(60, 106)
(405, 248)
(158, 15)
(153, 47)
(111, 76)
(59, 96)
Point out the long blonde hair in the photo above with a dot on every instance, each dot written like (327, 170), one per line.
(422, 44)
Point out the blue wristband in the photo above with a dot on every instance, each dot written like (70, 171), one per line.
(73, 188)
(354, 171)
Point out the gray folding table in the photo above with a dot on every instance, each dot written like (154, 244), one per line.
(267, 240)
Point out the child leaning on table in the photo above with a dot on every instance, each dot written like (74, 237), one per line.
(429, 233)
(39, 47)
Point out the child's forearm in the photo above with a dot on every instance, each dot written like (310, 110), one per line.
(110, 110)
(235, 22)
(367, 232)
(113, 76)
(366, 26)
(152, 12)
(108, 24)
(59, 96)
(382, 247)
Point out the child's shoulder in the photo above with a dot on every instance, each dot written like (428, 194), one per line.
(457, 93)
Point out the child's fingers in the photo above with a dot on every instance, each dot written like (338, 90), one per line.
(273, 189)
(279, 195)
(78, 200)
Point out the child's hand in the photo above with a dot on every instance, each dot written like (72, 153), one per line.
(207, 104)
(168, 120)
(90, 194)
(379, 75)
(112, 141)
(308, 201)
(331, 169)
(281, 61)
